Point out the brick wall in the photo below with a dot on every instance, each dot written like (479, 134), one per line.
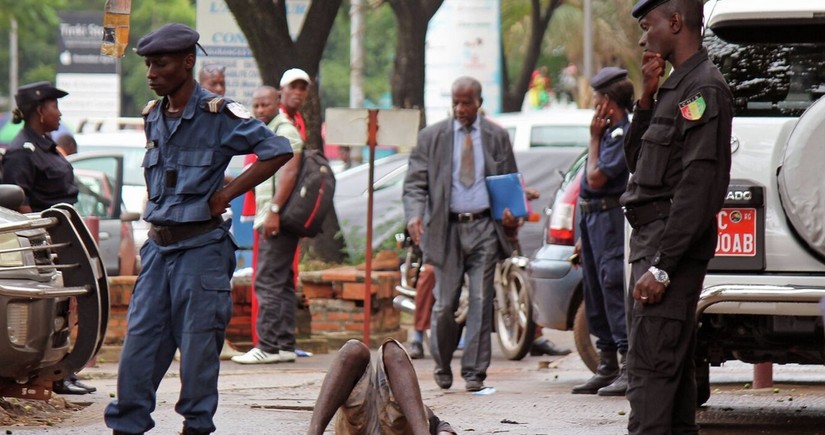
(329, 302)
(336, 300)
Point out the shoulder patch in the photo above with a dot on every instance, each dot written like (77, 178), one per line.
(148, 107)
(238, 110)
(693, 107)
(29, 146)
(214, 105)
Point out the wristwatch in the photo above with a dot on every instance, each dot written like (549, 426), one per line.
(659, 275)
(274, 208)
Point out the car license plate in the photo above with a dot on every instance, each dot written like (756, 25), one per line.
(737, 232)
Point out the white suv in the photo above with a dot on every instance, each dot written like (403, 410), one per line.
(761, 294)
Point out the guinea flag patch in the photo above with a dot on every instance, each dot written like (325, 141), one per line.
(693, 108)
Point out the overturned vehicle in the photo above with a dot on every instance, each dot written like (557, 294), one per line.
(54, 296)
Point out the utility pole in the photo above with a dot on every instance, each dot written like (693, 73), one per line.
(13, 59)
(356, 53)
(588, 39)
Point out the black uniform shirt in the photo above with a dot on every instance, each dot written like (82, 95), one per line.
(680, 152)
(33, 163)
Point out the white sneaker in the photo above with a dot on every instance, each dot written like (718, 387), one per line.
(257, 356)
(286, 356)
(227, 351)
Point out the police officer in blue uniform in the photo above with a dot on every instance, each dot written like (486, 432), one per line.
(182, 297)
(678, 151)
(602, 230)
(32, 160)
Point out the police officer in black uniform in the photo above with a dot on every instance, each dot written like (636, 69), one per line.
(602, 231)
(182, 297)
(678, 152)
(32, 160)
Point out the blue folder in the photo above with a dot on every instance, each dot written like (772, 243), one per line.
(507, 191)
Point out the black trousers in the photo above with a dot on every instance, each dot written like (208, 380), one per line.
(275, 290)
(660, 359)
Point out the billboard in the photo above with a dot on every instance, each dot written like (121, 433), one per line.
(226, 44)
(463, 38)
(92, 80)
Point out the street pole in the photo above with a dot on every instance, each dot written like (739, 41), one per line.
(13, 59)
(356, 54)
(588, 39)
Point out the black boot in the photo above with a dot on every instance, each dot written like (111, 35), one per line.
(606, 372)
(619, 386)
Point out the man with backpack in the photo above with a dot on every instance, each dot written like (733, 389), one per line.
(275, 272)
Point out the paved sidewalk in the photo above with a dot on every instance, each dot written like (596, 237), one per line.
(278, 399)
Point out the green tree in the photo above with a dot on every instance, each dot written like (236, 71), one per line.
(38, 40)
(37, 36)
(615, 35)
(265, 27)
(413, 18)
(146, 16)
(532, 20)
(379, 38)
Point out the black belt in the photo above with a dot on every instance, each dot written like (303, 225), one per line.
(595, 205)
(168, 235)
(647, 213)
(469, 217)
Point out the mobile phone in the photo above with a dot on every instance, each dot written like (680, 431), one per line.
(574, 259)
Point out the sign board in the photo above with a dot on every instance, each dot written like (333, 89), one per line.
(463, 38)
(226, 44)
(396, 127)
(91, 79)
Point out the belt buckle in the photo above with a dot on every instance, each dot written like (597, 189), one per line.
(465, 217)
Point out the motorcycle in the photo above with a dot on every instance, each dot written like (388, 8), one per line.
(513, 312)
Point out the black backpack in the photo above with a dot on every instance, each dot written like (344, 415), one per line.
(311, 199)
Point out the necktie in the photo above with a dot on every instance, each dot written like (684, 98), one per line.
(467, 172)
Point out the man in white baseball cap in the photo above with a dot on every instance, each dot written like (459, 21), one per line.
(278, 249)
(293, 74)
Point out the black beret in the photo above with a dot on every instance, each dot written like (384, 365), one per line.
(170, 38)
(642, 7)
(33, 93)
(607, 76)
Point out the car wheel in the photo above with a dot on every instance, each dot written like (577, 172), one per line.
(514, 315)
(584, 341)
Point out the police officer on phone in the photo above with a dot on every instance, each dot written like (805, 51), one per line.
(182, 297)
(678, 152)
(602, 231)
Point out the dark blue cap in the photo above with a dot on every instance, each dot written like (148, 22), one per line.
(32, 94)
(606, 76)
(170, 38)
(642, 7)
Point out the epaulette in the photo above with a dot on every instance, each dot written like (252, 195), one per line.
(215, 105)
(238, 110)
(149, 106)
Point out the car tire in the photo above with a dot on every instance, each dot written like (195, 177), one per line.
(515, 328)
(584, 342)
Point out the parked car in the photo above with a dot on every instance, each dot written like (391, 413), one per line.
(102, 194)
(556, 286)
(541, 169)
(46, 259)
(759, 301)
(760, 296)
(97, 151)
(557, 128)
(99, 197)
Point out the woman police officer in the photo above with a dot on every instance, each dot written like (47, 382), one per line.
(32, 160)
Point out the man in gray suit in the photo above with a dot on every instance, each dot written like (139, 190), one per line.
(447, 209)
